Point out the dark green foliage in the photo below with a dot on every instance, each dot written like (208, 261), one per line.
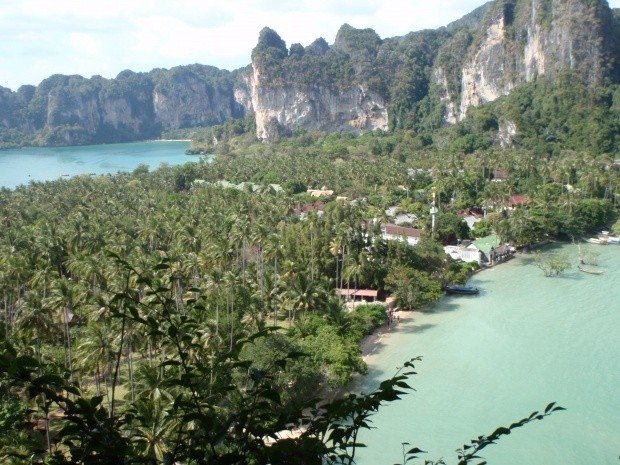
(297, 381)
(409, 63)
(552, 264)
(565, 114)
(169, 280)
(210, 420)
(481, 229)
(451, 227)
(412, 288)
(375, 313)
(450, 59)
(228, 425)
(591, 214)
(14, 419)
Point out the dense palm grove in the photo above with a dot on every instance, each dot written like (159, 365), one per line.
(120, 283)
(154, 317)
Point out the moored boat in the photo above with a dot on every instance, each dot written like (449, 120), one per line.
(462, 290)
(590, 270)
(597, 240)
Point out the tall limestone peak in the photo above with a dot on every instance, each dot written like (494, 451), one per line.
(314, 88)
(319, 47)
(269, 41)
(352, 41)
(522, 39)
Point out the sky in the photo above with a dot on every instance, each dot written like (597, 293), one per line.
(39, 38)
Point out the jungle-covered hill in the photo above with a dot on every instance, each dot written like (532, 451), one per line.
(418, 82)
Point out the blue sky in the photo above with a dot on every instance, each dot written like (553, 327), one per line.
(39, 38)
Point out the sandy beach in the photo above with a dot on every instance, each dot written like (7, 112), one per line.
(378, 339)
(369, 346)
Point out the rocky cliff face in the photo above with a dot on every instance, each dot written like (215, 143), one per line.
(185, 98)
(289, 106)
(524, 39)
(284, 98)
(484, 56)
(72, 110)
(360, 83)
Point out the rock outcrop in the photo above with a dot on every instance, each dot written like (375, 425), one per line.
(285, 99)
(529, 38)
(72, 110)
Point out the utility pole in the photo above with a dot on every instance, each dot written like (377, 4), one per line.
(434, 210)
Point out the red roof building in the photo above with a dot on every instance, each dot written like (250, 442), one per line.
(518, 200)
(361, 294)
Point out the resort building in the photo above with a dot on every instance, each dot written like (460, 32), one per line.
(394, 232)
(366, 295)
(484, 251)
(322, 192)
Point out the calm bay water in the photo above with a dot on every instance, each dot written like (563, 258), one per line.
(20, 166)
(492, 359)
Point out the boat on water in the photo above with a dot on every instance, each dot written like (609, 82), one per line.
(604, 237)
(462, 290)
(590, 270)
(597, 240)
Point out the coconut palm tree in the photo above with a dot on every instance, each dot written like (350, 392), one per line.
(95, 354)
(274, 250)
(152, 429)
(303, 295)
(63, 300)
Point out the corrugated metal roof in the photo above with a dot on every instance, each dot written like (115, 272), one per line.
(396, 230)
(359, 292)
(486, 243)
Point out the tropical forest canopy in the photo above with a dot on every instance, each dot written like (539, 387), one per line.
(161, 310)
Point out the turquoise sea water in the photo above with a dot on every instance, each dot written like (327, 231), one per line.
(492, 359)
(20, 166)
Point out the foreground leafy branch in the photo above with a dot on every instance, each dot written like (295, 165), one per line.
(253, 431)
(470, 451)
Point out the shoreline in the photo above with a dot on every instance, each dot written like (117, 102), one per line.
(369, 346)
(370, 343)
(380, 339)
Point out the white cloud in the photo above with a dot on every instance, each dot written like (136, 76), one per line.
(83, 43)
(40, 37)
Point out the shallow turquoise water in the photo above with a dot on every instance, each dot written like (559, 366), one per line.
(492, 359)
(20, 166)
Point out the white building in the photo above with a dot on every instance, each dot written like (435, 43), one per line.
(467, 253)
(399, 233)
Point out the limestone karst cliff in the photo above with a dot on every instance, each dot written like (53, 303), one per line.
(520, 40)
(291, 91)
(360, 83)
(72, 110)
